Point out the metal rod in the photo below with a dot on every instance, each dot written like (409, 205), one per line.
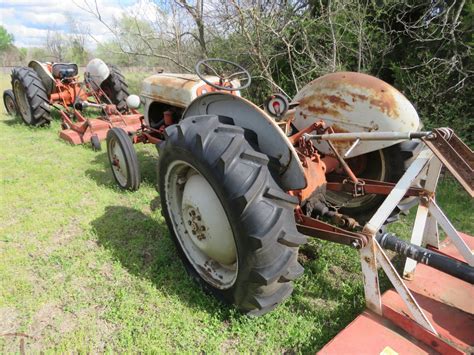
(345, 166)
(86, 104)
(351, 148)
(369, 136)
(428, 257)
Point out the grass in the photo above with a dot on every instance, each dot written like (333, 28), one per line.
(86, 267)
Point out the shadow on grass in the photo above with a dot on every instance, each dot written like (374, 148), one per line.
(102, 174)
(142, 245)
(12, 121)
(331, 296)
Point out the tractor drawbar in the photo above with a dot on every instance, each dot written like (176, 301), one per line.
(428, 257)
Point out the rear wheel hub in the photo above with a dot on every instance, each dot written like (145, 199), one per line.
(202, 226)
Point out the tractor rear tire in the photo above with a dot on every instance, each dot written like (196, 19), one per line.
(10, 103)
(247, 258)
(31, 97)
(123, 159)
(387, 165)
(116, 88)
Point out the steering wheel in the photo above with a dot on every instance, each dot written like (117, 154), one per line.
(224, 79)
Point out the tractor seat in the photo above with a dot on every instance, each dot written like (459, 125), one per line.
(64, 70)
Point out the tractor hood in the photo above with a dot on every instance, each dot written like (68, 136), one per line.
(177, 89)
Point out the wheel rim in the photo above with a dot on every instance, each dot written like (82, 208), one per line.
(201, 225)
(119, 166)
(22, 101)
(376, 170)
(10, 105)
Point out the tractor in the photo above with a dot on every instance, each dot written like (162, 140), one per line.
(41, 86)
(242, 187)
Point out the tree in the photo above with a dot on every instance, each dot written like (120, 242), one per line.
(76, 41)
(6, 39)
(56, 44)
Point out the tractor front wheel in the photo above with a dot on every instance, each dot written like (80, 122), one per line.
(233, 226)
(123, 159)
(9, 102)
(31, 97)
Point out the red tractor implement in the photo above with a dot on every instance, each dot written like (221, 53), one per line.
(41, 86)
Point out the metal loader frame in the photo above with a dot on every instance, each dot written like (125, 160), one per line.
(441, 147)
(425, 233)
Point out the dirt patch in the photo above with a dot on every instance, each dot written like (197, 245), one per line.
(44, 318)
(50, 322)
(339, 272)
(62, 237)
(9, 320)
(320, 303)
(229, 346)
(10, 325)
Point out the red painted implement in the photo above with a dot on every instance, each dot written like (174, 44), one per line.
(446, 301)
(79, 130)
(41, 86)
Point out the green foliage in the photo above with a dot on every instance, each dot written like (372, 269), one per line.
(39, 53)
(76, 53)
(113, 53)
(6, 38)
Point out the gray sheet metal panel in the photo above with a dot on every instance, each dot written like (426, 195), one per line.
(44, 74)
(272, 141)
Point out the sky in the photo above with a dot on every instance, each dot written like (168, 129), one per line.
(30, 20)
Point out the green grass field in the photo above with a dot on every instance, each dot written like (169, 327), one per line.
(85, 267)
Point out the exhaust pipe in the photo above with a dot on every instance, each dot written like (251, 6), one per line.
(428, 257)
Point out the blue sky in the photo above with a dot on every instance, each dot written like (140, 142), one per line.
(30, 20)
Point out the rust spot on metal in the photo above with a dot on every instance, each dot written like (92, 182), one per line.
(320, 110)
(338, 101)
(380, 94)
(386, 104)
(338, 129)
(359, 97)
(341, 145)
(321, 101)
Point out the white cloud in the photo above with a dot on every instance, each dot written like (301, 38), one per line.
(30, 20)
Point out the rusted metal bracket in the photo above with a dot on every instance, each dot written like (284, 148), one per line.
(373, 253)
(367, 186)
(321, 230)
(424, 232)
(455, 155)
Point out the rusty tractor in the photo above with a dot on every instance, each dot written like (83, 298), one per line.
(242, 188)
(41, 86)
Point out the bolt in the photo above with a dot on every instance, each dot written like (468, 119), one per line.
(181, 180)
(355, 244)
(189, 222)
(192, 213)
(203, 228)
(198, 217)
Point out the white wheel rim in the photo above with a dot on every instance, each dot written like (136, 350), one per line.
(201, 225)
(119, 166)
